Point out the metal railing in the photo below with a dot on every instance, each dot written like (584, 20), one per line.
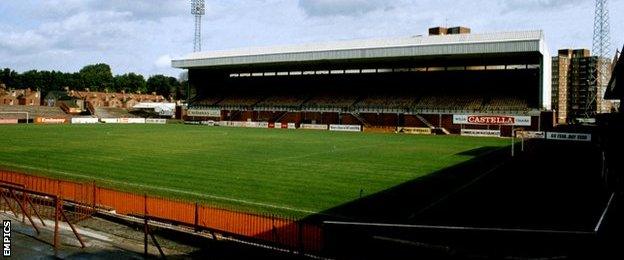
(280, 232)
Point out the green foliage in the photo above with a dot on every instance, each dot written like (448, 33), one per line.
(298, 171)
(181, 91)
(8, 77)
(45, 81)
(130, 82)
(98, 77)
(163, 85)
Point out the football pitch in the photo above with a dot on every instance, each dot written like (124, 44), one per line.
(295, 172)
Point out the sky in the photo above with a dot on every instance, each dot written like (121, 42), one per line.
(144, 35)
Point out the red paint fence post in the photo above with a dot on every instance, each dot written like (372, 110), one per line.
(57, 207)
(196, 217)
(300, 234)
(94, 196)
(145, 225)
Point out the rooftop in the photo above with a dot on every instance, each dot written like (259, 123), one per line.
(499, 42)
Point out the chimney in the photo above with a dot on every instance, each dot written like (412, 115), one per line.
(458, 30)
(438, 31)
(452, 30)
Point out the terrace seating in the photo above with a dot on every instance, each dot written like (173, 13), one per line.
(331, 101)
(386, 102)
(282, 101)
(506, 104)
(207, 101)
(111, 112)
(33, 111)
(239, 101)
(450, 103)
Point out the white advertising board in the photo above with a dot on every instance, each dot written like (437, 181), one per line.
(311, 126)
(481, 133)
(569, 136)
(131, 120)
(204, 112)
(345, 128)
(7, 121)
(492, 120)
(210, 123)
(159, 121)
(237, 123)
(85, 120)
(292, 126)
(109, 120)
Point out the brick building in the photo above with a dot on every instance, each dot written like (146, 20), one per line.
(115, 100)
(23, 97)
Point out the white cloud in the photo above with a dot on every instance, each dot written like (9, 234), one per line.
(522, 5)
(133, 36)
(342, 7)
(163, 61)
(22, 42)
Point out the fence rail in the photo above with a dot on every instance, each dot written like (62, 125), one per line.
(283, 232)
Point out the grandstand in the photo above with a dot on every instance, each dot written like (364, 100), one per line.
(420, 81)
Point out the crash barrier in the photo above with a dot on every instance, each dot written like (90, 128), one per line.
(271, 229)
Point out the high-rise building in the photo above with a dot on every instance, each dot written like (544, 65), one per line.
(575, 97)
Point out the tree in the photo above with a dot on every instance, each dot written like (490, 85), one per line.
(180, 91)
(163, 85)
(31, 79)
(8, 77)
(130, 82)
(97, 77)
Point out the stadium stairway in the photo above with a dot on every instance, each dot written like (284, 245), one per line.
(424, 121)
(361, 119)
(443, 130)
(90, 108)
(279, 116)
(436, 130)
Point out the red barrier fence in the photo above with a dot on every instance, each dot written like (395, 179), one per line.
(285, 232)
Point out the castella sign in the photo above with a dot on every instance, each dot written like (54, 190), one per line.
(492, 120)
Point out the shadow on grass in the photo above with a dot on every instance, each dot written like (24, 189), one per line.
(398, 203)
(394, 205)
(476, 152)
(553, 186)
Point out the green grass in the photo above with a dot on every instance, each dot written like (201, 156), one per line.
(294, 172)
